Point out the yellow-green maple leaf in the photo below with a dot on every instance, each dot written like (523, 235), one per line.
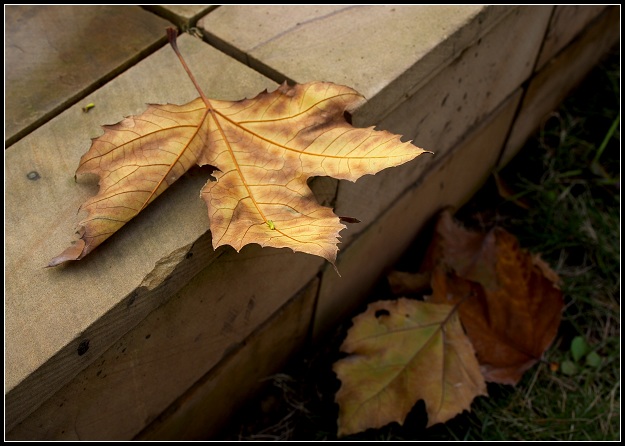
(400, 352)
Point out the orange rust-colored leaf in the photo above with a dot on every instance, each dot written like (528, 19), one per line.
(511, 302)
(265, 150)
(400, 352)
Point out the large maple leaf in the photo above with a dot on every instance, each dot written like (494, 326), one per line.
(400, 352)
(264, 149)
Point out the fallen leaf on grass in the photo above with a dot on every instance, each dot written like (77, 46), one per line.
(265, 149)
(511, 302)
(400, 352)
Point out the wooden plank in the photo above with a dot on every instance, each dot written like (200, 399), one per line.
(563, 73)
(384, 52)
(174, 348)
(50, 314)
(55, 55)
(441, 112)
(451, 181)
(566, 23)
(205, 409)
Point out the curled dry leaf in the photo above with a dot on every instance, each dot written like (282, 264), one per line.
(264, 148)
(400, 352)
(511, 305)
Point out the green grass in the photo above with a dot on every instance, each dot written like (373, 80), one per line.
(565, 204)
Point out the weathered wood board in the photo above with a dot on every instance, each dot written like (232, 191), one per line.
(149, 368)
(567, 22)
(55, 55)
(386, 52)
(206, 408)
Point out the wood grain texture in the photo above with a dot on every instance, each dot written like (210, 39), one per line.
(386, 52)
(57, 54)
(147, 369)
(202, 411)
(566, 23)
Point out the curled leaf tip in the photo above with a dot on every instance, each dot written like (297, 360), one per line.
(74, 252)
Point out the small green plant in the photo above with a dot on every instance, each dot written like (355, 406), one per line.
(580, 355)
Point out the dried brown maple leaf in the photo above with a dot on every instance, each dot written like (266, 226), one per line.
(511, 302)
(400, 352)
(265, 150)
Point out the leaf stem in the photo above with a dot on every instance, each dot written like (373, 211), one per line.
(172, 35)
